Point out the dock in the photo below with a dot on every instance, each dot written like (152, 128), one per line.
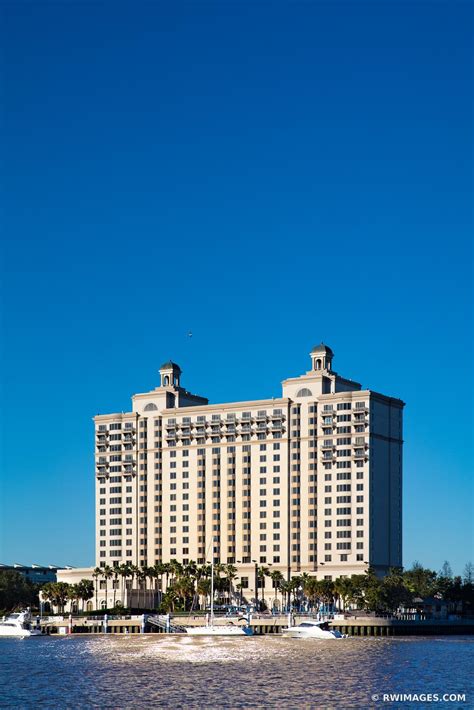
(363, 626)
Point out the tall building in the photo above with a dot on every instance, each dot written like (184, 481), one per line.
(309, 482)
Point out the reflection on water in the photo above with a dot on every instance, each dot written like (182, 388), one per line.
(199, 672)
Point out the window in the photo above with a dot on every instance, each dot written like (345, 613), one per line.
(304, 392)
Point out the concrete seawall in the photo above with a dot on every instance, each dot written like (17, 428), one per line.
(351, 627)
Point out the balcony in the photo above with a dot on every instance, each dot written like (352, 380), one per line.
(360, 454)
(328, 447)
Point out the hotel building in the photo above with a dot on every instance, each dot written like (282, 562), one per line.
(309, 482)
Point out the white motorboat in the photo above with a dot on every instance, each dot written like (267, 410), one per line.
(312, 629)
(18, 625)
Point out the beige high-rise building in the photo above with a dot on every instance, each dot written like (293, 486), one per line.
(309, 482)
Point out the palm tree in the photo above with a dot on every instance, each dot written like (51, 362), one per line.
(167, 571)
(96, 574)
(159, 570)
(148, 574)
(193, 572)
(176, 569)
(311, 590)
(134, 572)
(47, 592)
(277, 579)
(262, 572)
(285, 589)
(140, 578)
(230, 574)
(184, 588)
(58, 593)
(115, 573)
(344, 588)
(326, 590)
(123, 571)
(107, 573)
(73, 597)
(293, 586)
(204, 588)
(85, 590)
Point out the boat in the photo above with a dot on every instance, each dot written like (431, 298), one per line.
(18, 625)
(312, 629)
(212, 629)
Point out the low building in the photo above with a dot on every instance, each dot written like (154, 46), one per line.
(112, 592)
(37, 574)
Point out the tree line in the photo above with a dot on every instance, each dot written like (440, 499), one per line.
(58, 593)
(16, 591)
(188, 587)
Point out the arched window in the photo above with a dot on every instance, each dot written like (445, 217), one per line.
(150, 407)
(305, 392)
(317, 364)
(166, 380)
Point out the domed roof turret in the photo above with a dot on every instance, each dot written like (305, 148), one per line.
(170, 366)
(321, 348)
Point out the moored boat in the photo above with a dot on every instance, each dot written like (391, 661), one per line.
(312, 628)
(218, 630)
(18, 625)
(212, 629)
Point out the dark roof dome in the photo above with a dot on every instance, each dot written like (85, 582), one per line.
(170, 366)
(321, 348)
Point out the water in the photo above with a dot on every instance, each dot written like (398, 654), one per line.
(152, 671)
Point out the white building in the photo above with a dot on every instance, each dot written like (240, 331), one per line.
(309, 482)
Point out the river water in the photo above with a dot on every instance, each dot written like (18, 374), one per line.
(165, 671)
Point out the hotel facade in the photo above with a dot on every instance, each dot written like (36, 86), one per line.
(309, 482)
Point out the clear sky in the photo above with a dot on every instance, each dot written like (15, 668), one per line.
(265, 175)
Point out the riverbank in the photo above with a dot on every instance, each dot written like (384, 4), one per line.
(368, 626)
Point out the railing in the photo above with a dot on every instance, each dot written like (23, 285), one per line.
(163, 622)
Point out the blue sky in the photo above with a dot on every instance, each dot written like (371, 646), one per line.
(266, 176)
